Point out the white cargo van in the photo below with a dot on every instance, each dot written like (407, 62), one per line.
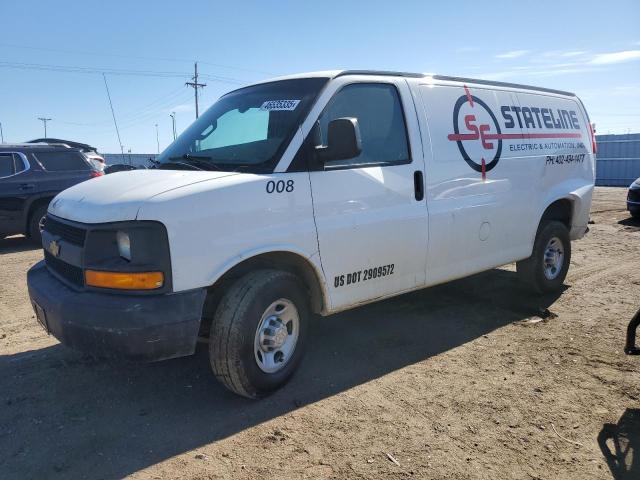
(313, 193)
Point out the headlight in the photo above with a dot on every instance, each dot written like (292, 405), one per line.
(130, 255)
(124, 245)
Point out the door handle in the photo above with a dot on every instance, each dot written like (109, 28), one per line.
(27, 186)
(418, 185)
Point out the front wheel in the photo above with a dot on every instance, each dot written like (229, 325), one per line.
(547, 267)
(258, 332)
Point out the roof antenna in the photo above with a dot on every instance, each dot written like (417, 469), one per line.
(114, 118)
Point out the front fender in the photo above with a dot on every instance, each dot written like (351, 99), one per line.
(236, 260)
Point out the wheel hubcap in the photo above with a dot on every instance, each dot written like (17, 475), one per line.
(276, 336)
(553, 258)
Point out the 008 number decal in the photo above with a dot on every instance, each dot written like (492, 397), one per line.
(280, 186)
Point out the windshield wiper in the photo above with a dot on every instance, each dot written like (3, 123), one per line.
(184, 164)
(198, 162)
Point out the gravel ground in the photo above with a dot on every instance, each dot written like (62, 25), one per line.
(473, 379)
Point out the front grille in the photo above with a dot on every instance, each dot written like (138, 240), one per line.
(70, 273)
(66, 232)
(634, 195)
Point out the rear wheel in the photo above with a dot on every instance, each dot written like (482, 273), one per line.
(547, 267)
(258, 332)
(36, 223)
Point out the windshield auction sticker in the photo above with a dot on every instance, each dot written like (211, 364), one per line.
(275, 105)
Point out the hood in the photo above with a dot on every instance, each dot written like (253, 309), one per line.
(119, 196)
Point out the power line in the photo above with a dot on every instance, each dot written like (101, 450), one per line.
(112, 71)
(142, 119)
(134, 57)
(160, 103)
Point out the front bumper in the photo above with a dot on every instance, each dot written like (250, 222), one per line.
(142, 328)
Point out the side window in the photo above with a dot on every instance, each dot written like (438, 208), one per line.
(62, 161)
(382, 128)
(18, 163)
(6, 165)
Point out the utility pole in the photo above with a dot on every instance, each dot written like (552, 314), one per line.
(196, 85)
(1, 133)
(157, 139)
(173, 122)
(44, 120)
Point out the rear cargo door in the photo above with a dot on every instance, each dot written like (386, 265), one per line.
(477, 189)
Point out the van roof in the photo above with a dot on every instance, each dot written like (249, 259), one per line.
(341, 73)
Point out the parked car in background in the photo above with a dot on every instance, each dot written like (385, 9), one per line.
(30, 176)
(88, 151)
(633, 199)
(119, 167)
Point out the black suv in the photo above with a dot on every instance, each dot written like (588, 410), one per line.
(30, 176)
(633, 199)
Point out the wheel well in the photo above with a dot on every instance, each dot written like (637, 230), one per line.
(560, 210)
(286, 261)
(33, 207)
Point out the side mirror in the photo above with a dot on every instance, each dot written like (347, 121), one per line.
(343, 140)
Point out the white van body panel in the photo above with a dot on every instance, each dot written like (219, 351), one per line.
(364, 218)
(477, 223)
(119, 196)
(212, 229)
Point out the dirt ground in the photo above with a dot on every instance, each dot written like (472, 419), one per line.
(473, 379)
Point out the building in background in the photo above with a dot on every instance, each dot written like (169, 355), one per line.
(618, 159)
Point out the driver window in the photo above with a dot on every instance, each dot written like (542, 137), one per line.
(380, 118)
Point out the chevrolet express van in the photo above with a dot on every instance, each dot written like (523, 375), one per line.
(313, 193)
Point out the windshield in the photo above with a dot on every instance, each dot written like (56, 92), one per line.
(247, 129)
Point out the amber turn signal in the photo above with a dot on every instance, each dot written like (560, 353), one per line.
(124, 280)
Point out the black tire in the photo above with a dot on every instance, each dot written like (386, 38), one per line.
(234, 326)
(34, 223)
(532, 270)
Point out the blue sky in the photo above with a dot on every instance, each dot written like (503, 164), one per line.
(51, 54)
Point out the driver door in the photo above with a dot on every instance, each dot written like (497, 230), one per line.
(370, 211)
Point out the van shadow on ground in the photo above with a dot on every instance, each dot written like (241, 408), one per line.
(67, 416)
(620, 445)
(17, 244)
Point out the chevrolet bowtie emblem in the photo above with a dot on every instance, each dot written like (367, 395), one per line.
(54, 248)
